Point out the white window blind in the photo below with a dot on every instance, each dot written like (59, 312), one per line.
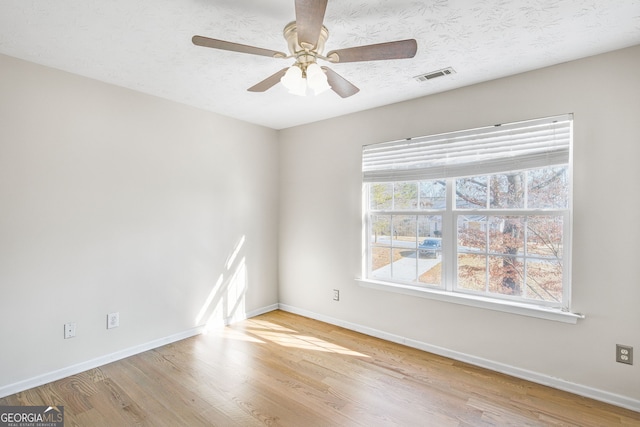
(494, 149)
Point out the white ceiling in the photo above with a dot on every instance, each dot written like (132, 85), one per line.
(145, 45)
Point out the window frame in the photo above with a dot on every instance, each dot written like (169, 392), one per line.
(449, 288)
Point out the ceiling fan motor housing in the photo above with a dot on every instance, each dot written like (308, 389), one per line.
(304, 55)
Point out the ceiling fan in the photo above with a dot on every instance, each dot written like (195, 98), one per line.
(306, 37)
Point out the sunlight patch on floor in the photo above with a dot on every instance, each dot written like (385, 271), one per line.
(257, 323)
(238, 335)
(286, 337)
(304, 342)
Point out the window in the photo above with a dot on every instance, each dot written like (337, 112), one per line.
(481, 213)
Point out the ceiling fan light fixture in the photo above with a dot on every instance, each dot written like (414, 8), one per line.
(317, 79)
(294, 82)
(298, 81)
(291, 77)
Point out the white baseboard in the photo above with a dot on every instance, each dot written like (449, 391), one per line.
(560, 384)
(262, 310)
(103, 360)
(94, 363)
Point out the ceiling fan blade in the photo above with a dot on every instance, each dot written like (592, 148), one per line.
(269, 82)
(391, 50)
(309, 17)
(339, 84)
(235, 47)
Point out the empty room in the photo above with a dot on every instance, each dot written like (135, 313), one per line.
(319, 213)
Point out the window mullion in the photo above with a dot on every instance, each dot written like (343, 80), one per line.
(566, 261)
(449, 244)
(487, 264)
(416, 231)
(525, 254)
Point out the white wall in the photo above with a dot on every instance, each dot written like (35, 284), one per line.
(320, 223)
(112, 200)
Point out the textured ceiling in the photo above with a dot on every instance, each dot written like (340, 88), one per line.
(145, 45)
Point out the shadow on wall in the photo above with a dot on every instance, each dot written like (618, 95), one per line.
(226, 301)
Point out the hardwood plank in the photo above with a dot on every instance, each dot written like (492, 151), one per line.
(285, 370)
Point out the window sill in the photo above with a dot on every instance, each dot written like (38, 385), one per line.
(475, 301)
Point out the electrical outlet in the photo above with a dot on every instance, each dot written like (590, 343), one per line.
(113, 320)
(624, 354)
(69, 330)
(336, 295)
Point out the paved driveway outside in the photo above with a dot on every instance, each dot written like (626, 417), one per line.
(406, 269)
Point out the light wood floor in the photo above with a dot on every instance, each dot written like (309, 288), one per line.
(286, 370)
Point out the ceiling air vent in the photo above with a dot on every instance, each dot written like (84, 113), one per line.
(434, 74)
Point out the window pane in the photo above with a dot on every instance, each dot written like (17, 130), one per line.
(506, 235)
(404, 265)
(506, 275)
(429, 226)
(381, 196)
(548, 188)
(430, 250)
(544, 236)
(471, 193)
(381, 262)
(472, 233)
(381, 229)
(405, 195)
(472, 272)
(507, 191)
(404, 231)
(430, 271)
(433, 195)
(544, 280)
